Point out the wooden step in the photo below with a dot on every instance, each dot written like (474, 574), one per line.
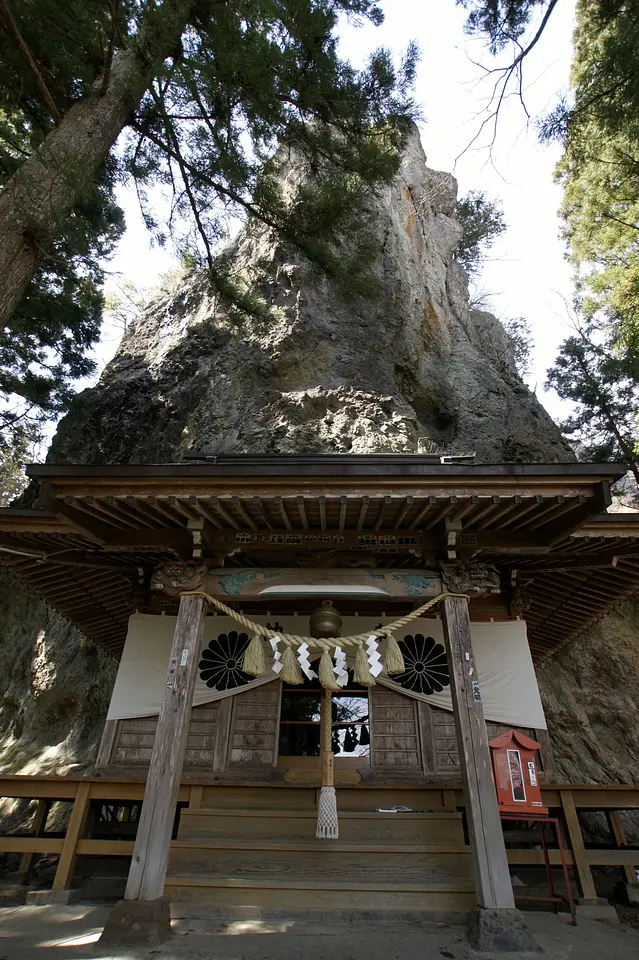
(312, 811)
(287, 796)
(300, 824)
(273, 797)
(370, 798)
(318, 846)
(320, 892)
(349, 862)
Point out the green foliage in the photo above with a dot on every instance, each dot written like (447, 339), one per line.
(19, 439)
(600, 168)
(253, 88)
(589, 373)
(43, 349)
(482, 222)
(521, 341)
(598, 126)
(600, 174)
(250, 83)
(65, 41)
(502, 22)
(605, 73)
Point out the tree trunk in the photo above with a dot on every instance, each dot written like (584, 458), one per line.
(40, 196)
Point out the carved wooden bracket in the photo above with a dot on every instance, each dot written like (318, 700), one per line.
(477, 579)
(174, 578)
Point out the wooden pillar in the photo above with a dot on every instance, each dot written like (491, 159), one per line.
(151, 852)
(327, 761)
(492, 878)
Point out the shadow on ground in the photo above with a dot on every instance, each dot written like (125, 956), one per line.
(71, 933)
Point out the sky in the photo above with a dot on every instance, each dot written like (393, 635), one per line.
(526, 274)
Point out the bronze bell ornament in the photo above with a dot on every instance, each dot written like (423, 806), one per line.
(325, 621)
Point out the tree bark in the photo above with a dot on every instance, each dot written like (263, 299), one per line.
(40, 196)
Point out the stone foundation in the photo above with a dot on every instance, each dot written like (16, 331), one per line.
(500, 931)
(137, 923)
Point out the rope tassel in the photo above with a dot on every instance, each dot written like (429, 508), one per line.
(255, 659)
(326, 673)
(291, 672)
(327, 822)
(363, 673)
(393, 660)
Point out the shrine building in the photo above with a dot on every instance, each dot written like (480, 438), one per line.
(309, 645)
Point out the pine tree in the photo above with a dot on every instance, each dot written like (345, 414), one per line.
(201, 94)
(482, 222)
(502, 22)
(599, 170)
(604, 424)
(206, 90)
(598, 126)
(43, 347)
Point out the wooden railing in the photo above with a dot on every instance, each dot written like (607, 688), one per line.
(82, 792)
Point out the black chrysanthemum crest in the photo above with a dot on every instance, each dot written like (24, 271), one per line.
(221, 663)
(426, 665)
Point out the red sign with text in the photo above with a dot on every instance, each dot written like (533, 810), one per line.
(515, 772)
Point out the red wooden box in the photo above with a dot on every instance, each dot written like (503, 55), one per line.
(515, 771)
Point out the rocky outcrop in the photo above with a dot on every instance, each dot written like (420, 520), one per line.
(409, 365)
(54, 689)
(589, 692)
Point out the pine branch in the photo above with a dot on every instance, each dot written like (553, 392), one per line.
(114, 6)
(504, 76)
(623, 223)
(13, 32)
(218, 187)
(171, 136)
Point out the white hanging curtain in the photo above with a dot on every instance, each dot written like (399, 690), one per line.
(505, 670)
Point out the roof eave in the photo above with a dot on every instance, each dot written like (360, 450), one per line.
(327, 465)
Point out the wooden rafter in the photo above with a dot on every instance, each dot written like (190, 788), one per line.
(99, 530)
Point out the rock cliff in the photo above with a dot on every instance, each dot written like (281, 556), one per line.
(589, 691)
(410, 367)
(411, 364)
(54, 689)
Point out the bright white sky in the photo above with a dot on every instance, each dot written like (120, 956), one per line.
(527, 274)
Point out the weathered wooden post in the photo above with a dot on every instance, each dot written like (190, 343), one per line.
(144, 915)
(496, 924)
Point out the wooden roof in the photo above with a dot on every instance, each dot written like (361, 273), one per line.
(97, 532)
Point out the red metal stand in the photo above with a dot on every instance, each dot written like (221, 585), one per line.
(554, 898)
